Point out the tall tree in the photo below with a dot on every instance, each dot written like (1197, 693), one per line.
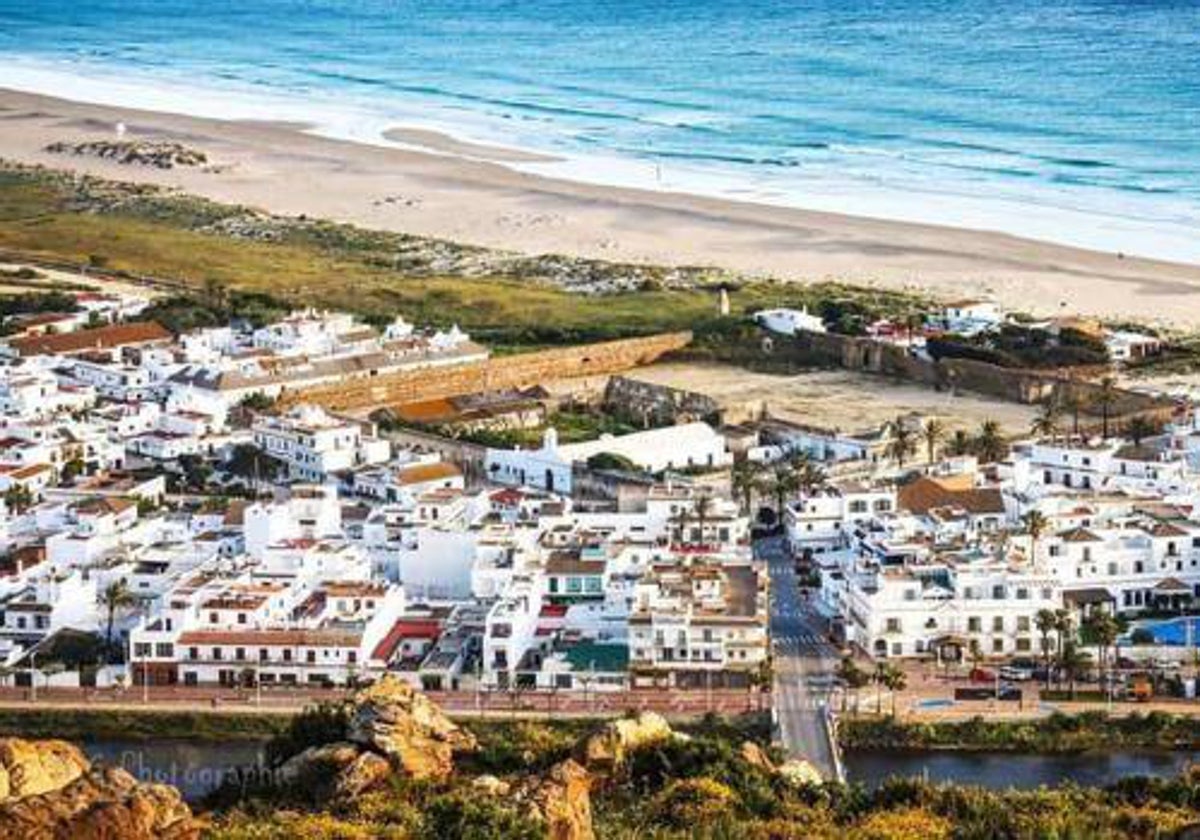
(745, 479)
(1036, 524)
(853, 678)
(989, 443)
(1105, 399)
(1073, 403)
(1140, 428)
(1073, 662)
(784, 484)
(1045, 424)
(960, 444)
(1047, 623)
(115, 597)
(902, 442)
(933, 433)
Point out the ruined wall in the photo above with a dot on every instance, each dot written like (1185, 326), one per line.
(656, 405)
(518, 371)
(1010, 384)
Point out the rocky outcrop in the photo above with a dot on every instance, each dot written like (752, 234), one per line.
(365, 772)
(607, 749)
(561, 800)
(158, 154)
(28, 768)
(396, 721)
(101, 804)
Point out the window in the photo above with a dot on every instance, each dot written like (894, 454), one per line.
(239, 654)
(287, 655)
(893, 625)
(974, 624)
(216, 653)
(1022, 624)
(997, 646)
(998, 624)
(998, 592)
(1022, 594)
(193, 653)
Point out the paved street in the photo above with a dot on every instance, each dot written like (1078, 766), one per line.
(804, 665)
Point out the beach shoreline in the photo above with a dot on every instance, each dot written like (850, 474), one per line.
(439, 186)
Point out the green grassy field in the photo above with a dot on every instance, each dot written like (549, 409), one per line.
(172, 237)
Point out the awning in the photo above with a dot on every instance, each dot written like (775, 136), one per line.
(1172, 586)
(1094, 595)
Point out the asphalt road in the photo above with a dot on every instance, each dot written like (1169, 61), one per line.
(804, 664)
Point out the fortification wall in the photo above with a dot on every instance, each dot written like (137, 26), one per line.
(518, 371)
(1010, 384)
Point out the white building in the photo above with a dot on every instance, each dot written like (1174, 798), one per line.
(313, 444)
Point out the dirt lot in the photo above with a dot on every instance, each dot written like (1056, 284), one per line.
(848, 401)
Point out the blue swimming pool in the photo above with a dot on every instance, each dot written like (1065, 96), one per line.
(1171, 631)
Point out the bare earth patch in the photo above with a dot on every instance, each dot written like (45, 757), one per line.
(848, 401)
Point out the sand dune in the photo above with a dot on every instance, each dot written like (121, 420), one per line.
(476, 199)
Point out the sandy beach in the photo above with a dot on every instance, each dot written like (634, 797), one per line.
(439, 186)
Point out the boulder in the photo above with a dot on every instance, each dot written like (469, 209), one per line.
(393, 719)
(364, 773)
(32, 767)
(608, 748)
(324, 761)
(561, 800)
(101, 804)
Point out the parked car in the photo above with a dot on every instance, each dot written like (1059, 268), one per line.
(1012, 673)
(981, 675)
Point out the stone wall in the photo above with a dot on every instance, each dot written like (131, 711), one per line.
(518, 371)
(1010, 384)
(648, 404)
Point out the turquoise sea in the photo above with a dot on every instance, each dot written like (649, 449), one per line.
(1069, 120)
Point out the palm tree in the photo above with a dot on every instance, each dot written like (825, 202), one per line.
(1072, 662)
(895, 681)
(1064, 626)
(784, 484)
(1036, 524)
(1140, 428)
(853, 676)
(989, 444)
(744, 481)
(960, 444)
(1046, 622)
(903, 442)
(810, 477)
(1074, 404)
(1101, 629)
(1046, 423)
(933, 433)
(1105, 399)
(116, 596)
